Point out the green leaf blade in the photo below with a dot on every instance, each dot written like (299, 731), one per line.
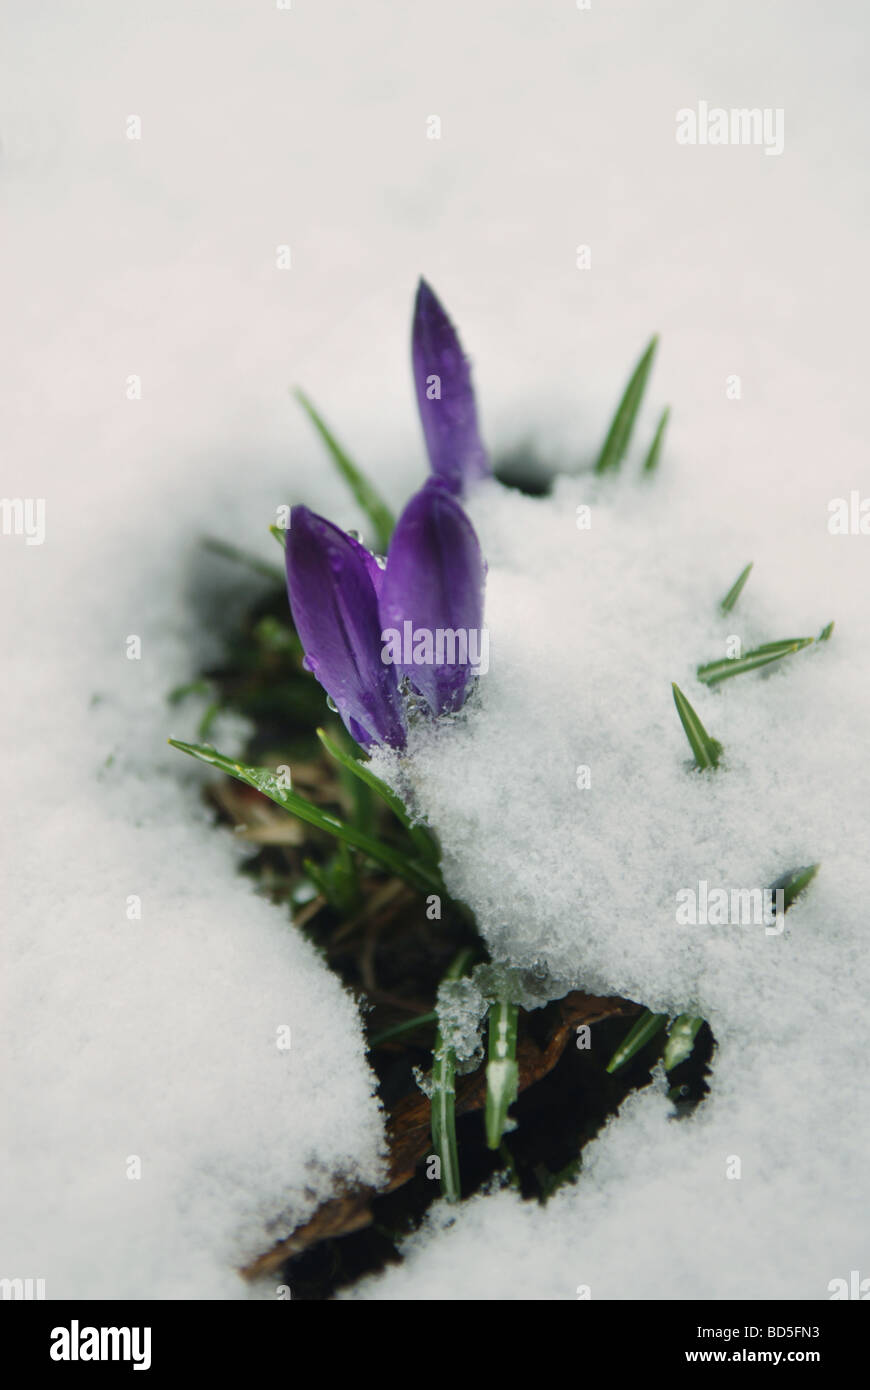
(502, 1071)
(615, 445)
(366, 495)
(227, 551)
(442, 1105)
(262, 779)
(707, 750)
(399, 1030)
(794, 883)
(422, 840)
(651, 462)
(736, 589)
(712, 672)
(681, 1040)
(643, 1031)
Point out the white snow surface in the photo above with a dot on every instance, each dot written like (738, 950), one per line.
(156, 257)
(588, 628)
(154, 1037)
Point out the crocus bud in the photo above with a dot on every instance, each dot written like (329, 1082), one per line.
(331, 586)
(445, 396)
(431, 602)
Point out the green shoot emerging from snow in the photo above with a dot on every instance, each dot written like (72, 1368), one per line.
(615, 446)
(443, 1107)
(502, 1073)
(367, 496)
(706, 749)
(736, 590)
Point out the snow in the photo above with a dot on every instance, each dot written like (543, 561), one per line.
(587, 630)
(157, 258)
(148, 988)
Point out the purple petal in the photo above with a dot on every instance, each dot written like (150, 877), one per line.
(375, 572)
(335, 609)
(445, 396)
(434, 585)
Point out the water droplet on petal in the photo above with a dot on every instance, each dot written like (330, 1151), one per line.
(331, 704)
(381, 562)
(355, 535)
(307, 664)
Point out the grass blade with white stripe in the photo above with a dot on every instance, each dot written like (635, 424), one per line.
(442, 1115)
(681, 1040)
(502, 1071)
(707, 750)
(714, 671)
(636, 1038)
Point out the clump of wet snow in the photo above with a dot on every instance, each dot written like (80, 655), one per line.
(463, 1005)
(531, 989)
(461, 1010)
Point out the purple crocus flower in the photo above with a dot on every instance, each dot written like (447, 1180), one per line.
(332, 585)
(445, 396)
(431, 601)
